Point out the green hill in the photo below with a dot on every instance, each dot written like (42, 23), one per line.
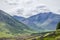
(52, 35)
(10, 26)
(55, 36)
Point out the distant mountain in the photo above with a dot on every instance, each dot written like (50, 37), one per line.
(42, 21)
(8, 25)
(20, 18)
(30, 24)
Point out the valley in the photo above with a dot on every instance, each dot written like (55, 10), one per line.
(34, 29)
(53, 35)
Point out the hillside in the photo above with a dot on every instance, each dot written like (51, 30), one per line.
(53, 35)
(10, 26)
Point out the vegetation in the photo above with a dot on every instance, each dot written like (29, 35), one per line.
(53, 35)
(9, 26)
(58, 25)
(11, 29)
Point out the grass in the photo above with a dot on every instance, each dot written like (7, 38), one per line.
(45, 37)
(52, 37)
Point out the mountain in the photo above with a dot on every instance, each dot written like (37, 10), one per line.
(9, 25)
(42, 21)
(30, 24)
(20, 18)
(46, 20)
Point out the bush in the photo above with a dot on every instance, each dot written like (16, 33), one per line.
(57, 38)
(58, 26)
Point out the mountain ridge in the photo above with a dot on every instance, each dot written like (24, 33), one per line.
(43, 19)
(9, 25)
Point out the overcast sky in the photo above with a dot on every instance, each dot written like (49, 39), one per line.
(27, 8)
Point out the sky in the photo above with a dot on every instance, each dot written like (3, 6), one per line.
(27, 8)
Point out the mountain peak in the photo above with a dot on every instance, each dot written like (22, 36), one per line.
(47, 20)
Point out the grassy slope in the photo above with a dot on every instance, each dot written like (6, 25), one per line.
(52, 37)
(8, 31)
(11, 27)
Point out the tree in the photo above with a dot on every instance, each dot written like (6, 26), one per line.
(58, 26)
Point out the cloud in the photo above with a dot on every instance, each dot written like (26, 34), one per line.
(30, 7)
